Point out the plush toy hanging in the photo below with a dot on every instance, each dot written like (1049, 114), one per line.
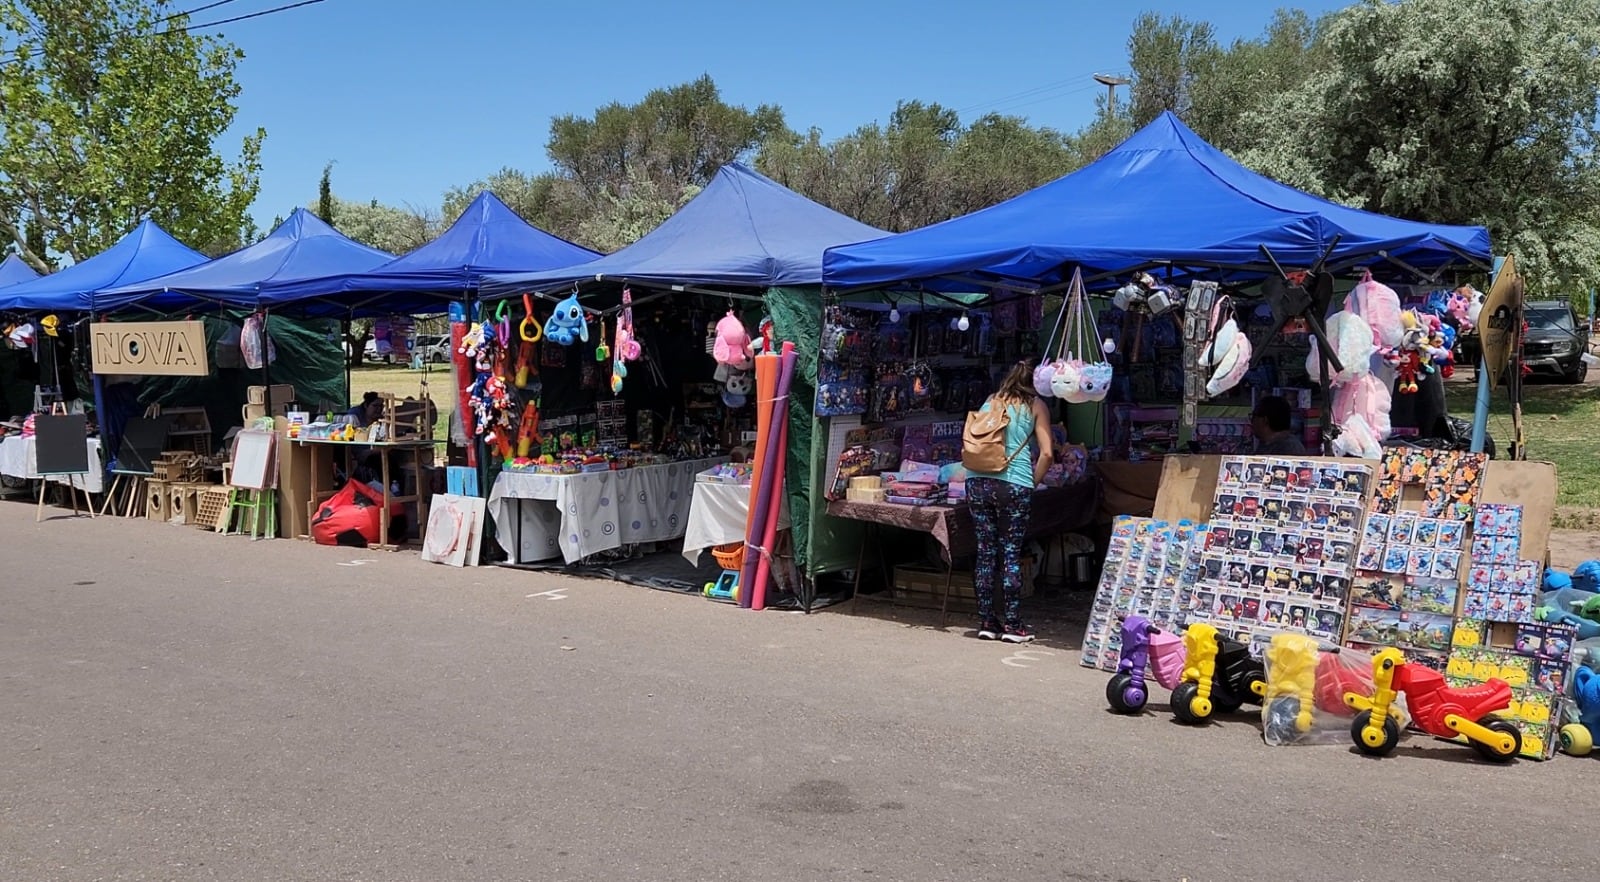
(1229, 353)
(1075, 378)
(627, 348)
(733, 343)
(567, 325)
(1379, 306)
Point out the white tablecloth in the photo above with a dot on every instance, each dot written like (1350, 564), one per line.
(717, 515)
(17, 461)
(538, 516)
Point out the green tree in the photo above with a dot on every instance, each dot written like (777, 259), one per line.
(548, 201)
(1169, 58)
(922, 168)
(391, 229)
(632, 159)
(1471, 113)
(325, 208)
(111, 113)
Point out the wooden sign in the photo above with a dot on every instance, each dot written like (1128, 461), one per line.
(166, 349)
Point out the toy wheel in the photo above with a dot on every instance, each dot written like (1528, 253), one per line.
(1124, 695)
(1576, 739)
(1279, 726)
(1384, 739)
(707, 590)
(1504, 727)
(1187, 705)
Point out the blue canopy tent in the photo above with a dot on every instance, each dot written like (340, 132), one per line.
(1163, 197)
(487, 238)
(301, 248)
(146, 252)
(14, 270)
(744, 230)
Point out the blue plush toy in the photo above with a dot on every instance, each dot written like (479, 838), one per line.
(1586, 576)
(567, 325)
(1577, 738)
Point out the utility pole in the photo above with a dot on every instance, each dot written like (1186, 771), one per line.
(1111, 83)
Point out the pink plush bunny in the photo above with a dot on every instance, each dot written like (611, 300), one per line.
(733, 343)
(1380, 307)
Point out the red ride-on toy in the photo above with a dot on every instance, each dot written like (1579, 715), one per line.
(1440, 710)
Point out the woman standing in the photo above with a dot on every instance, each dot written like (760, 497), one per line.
(1001, 504)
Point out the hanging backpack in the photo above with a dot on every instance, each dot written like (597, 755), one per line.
(983, 440)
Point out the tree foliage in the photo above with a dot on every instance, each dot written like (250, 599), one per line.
(109, 113)
(922, 168)
(1434, 110)
(391, 229)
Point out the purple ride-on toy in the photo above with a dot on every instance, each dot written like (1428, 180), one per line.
(1144, 647)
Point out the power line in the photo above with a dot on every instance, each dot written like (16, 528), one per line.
(276, 9)
(194, 10)
(191, 27)
(997, 103)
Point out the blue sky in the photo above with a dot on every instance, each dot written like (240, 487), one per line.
(410, 97)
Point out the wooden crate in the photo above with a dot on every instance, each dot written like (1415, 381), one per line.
(156, 503)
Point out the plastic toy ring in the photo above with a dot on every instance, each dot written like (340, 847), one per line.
(528, 321)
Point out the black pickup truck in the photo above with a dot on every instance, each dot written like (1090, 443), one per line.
(1553, 347)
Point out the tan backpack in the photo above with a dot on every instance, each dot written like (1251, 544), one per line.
(983, 440)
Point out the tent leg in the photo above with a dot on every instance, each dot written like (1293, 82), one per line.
(1480, 412)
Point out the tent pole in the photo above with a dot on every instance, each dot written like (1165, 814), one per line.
(1480, 413)
(344, 339)
(108, 445)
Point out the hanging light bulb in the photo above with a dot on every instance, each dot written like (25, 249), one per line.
(1109, 346)
(962, 324)
(894, 315)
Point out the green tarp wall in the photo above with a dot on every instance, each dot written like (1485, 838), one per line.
(310, 358)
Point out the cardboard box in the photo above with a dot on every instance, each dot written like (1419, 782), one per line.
(256, 400)
(294, 485)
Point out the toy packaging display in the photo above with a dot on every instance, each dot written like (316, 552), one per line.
(1306, 683)
(1147, 562)
(1281, 548)
(1501, 586)
(1534, 660)
(1416, 545)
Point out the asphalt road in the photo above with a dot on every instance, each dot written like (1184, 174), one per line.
(179, 706)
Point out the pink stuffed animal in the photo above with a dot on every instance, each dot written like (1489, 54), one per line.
(733, 343)
(1380, 307)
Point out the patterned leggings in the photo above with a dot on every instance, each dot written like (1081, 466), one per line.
(1000, 511)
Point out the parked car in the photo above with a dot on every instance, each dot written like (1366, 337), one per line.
(432, 347)
(1553, 347)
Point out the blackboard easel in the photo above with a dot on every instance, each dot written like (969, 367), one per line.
(60, 450)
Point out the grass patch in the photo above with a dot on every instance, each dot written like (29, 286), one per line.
(402, 381)
(1560, 424)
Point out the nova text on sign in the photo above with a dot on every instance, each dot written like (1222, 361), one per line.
(150, 348)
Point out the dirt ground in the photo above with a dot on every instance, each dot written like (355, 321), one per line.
(1568, 548)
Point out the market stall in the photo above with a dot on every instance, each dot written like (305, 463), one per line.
(738, 259)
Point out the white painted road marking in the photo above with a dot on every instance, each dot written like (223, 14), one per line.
(357, 562)
(552, 594)
(1024, 657)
